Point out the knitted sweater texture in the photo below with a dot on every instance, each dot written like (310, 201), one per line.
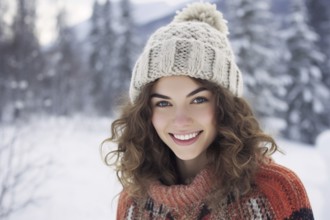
(277, 194)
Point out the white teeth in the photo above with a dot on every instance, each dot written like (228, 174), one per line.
(185, 137)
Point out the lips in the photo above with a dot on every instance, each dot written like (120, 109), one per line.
(185, 139)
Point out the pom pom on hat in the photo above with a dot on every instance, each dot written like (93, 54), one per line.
(203, 12)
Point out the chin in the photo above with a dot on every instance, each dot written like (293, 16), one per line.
(186, 157)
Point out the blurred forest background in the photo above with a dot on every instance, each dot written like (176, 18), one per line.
(282, 48)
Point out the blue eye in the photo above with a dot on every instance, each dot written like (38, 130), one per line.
(199, 100)
(163, 104)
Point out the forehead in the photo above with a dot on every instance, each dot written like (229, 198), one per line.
(175, 83)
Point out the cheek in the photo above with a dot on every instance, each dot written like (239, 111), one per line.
(158, 121)
(210, 116)
(206, 116)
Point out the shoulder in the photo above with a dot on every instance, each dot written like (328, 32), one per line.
(284, 190)
(275, 174)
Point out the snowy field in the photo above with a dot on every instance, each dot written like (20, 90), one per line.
(78, 185)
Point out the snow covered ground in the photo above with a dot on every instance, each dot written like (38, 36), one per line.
(80, 186)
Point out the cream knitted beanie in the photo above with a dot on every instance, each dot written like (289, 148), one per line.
(194, 44)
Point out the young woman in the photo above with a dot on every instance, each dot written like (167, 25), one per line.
(189, 146)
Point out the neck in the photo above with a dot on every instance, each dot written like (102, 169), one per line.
(188, 169)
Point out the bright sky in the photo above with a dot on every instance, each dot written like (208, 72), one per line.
(78, 10)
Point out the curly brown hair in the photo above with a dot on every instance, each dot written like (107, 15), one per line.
(235, 154)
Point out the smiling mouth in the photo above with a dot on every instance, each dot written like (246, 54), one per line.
(185, 139)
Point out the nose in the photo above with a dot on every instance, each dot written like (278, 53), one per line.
(182, 117)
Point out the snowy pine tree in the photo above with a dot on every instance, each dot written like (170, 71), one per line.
(3, 59)
(307, 93)
(319, 19)
(319, 13)
(126, 47)
(111, 56)
(26, 61)
(257, 42)
(67, 88)
(95, 62)
(102, 59)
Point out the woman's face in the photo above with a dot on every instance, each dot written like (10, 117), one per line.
(183, 114)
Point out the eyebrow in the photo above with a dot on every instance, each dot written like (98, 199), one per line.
(156, 95)
(196, 91)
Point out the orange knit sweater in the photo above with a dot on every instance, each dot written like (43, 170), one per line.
(277, 194)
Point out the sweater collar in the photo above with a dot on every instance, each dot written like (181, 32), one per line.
(183, 195)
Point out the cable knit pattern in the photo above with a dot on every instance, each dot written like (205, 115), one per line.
(194, 44)
(276, 194)
(182, 195)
